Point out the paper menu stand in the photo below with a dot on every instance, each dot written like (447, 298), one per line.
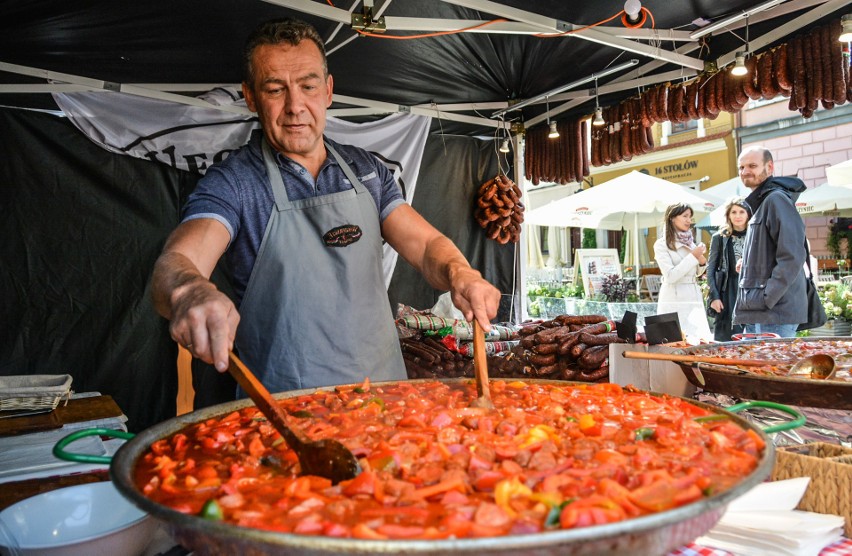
(663, 329)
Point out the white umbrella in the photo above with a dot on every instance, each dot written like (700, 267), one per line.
(631, 201)
(825, 198)
(720, 194)
(840, 175)
(815, 201)
(723, 191)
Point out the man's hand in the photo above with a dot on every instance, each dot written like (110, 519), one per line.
(474, 296)
(204, 321)
(717, 305)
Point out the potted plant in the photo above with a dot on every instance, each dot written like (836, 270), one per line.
(616, 290)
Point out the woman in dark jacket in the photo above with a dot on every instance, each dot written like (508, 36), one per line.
(726, 248)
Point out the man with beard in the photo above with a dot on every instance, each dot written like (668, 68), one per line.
(772, 295)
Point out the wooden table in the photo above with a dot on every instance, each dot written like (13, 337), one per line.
(76, 410)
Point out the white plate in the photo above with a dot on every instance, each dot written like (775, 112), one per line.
(87, 519)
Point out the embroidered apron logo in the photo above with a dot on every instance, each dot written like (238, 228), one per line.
(342, 236)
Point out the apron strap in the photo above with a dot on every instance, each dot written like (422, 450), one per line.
(279, 192)
(356, 183)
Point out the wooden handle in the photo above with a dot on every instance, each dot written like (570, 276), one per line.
(480, 362)
(677, 358)
(262, 399)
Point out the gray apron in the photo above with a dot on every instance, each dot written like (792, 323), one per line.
(315, 310)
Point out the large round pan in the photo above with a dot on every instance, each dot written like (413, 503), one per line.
(741, 383)
(652, 534)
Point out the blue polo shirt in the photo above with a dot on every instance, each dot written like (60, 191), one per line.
(236, 192)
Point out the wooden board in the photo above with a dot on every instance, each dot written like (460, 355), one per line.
(75, 411)
(743, 384)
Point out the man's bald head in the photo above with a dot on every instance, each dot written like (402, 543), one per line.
(755, 166)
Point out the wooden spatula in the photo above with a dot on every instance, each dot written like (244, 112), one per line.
(324, 458)
(480, 368)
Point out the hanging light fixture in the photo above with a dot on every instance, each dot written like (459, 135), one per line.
(846, 24)
(504, 146)
(632, 11)
(739, 68)
(598, 119)
(554, 133)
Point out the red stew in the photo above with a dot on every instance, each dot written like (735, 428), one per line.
(548, 457)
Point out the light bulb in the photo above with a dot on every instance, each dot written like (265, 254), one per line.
(554, 133)
(504, 146)
(739, 68)
(633, 8)
(598, 119)
(846, 24)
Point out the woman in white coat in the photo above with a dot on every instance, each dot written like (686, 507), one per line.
(681, 262)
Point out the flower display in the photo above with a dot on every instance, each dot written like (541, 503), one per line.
(836, 300)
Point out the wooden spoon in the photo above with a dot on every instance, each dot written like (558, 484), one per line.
(324, 458)
(480, 368)
(677, 358)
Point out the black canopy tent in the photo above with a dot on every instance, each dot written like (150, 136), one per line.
(82, 227)
(518, 50)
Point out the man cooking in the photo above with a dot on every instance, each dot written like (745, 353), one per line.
(300, 220)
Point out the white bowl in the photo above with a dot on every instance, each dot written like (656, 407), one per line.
(82, 520)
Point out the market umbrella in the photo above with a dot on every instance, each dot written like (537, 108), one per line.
(720, 194)
(840, 175)
(632, 201)
(723, 191)
(825, 198)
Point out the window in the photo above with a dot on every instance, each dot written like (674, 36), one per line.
(680, 127)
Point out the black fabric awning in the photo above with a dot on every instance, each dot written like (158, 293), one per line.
(198, 43)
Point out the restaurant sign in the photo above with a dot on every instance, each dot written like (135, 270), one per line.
(683, 170)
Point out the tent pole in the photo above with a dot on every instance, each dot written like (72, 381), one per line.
(636, 250)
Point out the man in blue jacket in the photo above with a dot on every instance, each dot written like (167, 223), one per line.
(772, 295)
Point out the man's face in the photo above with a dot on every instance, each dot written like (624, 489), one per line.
(753, 171)
(290, 94)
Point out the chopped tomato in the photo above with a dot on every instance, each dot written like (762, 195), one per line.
(363, 483)
(434, 467)
(656, 497)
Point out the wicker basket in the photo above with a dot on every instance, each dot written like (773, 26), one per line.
(830, 468)
(33, 392)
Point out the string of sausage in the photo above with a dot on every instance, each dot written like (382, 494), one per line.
(499, 210)
(810, 68)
